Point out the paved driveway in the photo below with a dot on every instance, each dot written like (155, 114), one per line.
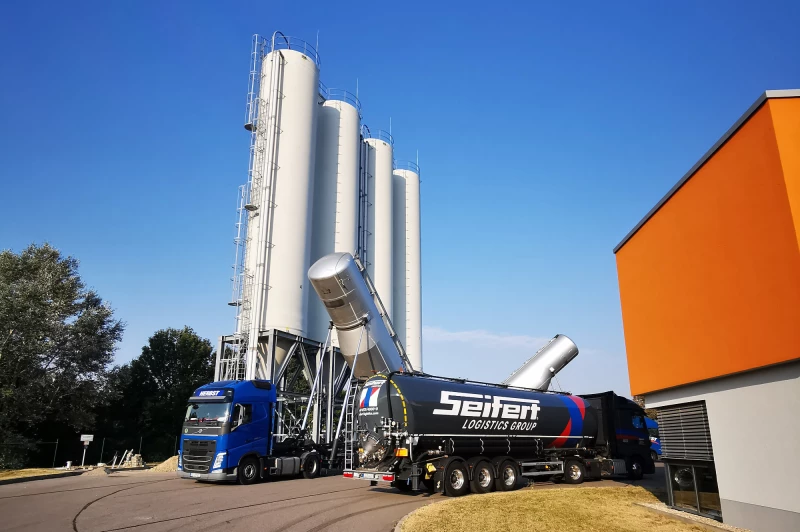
(157, 502)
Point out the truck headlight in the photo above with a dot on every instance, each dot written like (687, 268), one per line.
(218, 461)
(180, 460)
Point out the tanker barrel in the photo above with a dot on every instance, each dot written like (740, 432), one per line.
(544, 364)
(343, 290)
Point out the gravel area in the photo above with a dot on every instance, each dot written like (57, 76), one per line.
(700, 519)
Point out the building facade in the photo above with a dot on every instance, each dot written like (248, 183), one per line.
(710, 295)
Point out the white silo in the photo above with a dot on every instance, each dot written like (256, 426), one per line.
(277, 254)
(413, 263)
(379, 216)
(336, 189)
(399, 255)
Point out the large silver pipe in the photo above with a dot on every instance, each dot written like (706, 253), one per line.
(542, 366)
(344, 292)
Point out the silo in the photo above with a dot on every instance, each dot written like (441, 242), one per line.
(336, 189)
(279, 226)
(379, 216)
(413, 263)
(399, 255)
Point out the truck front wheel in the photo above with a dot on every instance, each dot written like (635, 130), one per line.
(635, 468)
(247, 472)
(456, 480)
(574, 472)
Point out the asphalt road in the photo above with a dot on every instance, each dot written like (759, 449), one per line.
(157, 502)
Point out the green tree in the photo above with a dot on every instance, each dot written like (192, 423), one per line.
(148, 396)
(57, 339)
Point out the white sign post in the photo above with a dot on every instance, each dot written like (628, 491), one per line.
(85, 438)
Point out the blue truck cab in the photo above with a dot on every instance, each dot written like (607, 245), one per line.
(227, 435)
(655, 441)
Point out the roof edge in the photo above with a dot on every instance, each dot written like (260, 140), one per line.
(767, 95)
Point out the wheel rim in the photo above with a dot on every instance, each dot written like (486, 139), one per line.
(313, 468)
(574, 472)
(457, 479)
(509, 476)
(484, 477)
(636, 467)
(249, 471)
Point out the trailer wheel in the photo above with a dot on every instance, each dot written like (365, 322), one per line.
(635, 468)
(456, 480)
(402, 485)
(482, 478)
(507, 475)
(247, 472)
(311, 466)
(574, 472)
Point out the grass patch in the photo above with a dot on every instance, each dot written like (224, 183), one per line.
(6, 474)
(563, 510)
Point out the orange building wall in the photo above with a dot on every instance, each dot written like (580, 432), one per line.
(710, 284)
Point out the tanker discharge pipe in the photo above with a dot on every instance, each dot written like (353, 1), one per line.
(537, 372)
(345, 292)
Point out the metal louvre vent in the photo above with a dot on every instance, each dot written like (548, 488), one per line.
(684, 432)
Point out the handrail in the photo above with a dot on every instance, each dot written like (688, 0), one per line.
(279, 41)
(381, 135)
(341, 95)
(407, 165)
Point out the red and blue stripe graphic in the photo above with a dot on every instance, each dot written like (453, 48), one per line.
(574, 429)
(369, 396)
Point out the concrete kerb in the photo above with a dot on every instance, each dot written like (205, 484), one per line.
(688, 518)
(40, 477)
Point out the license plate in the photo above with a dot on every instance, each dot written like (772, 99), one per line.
(367, 476)
(195, 475)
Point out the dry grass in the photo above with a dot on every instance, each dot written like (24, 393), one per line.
(7, 474)
(562, 510)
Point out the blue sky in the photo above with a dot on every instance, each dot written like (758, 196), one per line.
(545, 132)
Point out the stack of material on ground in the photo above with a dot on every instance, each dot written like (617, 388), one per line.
(171, 464)
(133, 460)
(96, 472)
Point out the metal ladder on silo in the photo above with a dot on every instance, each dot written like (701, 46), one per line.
(350, 436)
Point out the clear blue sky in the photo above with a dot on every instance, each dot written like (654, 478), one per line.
(545, 133)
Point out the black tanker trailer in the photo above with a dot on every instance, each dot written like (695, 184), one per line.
(424, 432)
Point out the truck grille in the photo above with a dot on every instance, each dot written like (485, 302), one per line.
(198, 455)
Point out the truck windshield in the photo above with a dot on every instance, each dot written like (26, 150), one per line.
(205, 412)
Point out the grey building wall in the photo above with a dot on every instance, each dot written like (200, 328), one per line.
(754, 419)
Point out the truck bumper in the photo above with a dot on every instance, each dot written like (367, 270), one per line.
(209, 477)
(383, 476)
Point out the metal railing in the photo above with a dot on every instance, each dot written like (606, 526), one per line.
(407, 165)
(381, 135)
(279, 41)
(341, 95)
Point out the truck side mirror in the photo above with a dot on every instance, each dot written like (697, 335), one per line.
(236, 417)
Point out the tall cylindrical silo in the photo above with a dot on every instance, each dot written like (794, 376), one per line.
(399, 255)
(413, 264)
(380, 216)
(336, 190)
(279, 227)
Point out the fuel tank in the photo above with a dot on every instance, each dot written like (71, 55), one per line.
(460, 417)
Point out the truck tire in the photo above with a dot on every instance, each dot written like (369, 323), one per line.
(311, 466)
(482, 478)
(247, 472)
(635, 468)
(456, 479)
(574, 472)
(507, 476)
(654, 456)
